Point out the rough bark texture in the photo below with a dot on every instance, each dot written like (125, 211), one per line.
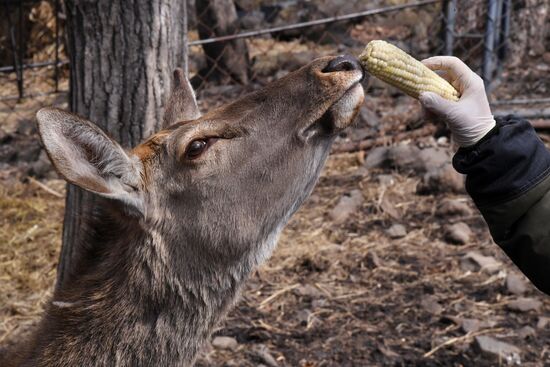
(122, 55)
(224, 60)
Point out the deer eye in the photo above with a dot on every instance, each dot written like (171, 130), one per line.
(196, 148)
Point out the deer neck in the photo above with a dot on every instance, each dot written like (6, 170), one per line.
(140, 303)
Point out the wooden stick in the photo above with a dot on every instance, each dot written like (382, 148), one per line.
(540, 124)
(45, 188)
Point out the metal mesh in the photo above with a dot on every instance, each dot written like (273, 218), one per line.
(32, 54)
(495, 37)
(507, 43)
(33, 66)
(236, 46)
(265, 42)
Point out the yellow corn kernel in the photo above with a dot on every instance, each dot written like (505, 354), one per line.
(394, 66)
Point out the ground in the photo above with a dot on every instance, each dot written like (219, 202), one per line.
(338, 291)
(333, 294)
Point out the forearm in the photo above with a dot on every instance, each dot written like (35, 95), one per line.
(508, 177)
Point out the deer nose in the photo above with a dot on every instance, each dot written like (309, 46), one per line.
(343, 63)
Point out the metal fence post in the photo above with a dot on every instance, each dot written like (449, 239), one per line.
(498, 23)
(489, 42)
(502, 51)
(450, 17)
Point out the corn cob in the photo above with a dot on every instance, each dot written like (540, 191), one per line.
(396, 67)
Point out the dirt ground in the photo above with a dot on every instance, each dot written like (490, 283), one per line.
(333, 294)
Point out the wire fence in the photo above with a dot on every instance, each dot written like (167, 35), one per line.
(31, 46)
(236, 46)
(246, 49)
(497, 38)
(507, 43)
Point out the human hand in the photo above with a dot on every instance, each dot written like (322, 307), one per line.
(469, 119)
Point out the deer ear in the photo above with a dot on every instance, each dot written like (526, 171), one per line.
(83, 154)
(182, 104)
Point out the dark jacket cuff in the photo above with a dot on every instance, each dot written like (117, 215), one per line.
(507, 162)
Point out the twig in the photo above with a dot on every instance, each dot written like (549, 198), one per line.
(45, 188)
(8, 332)
(351, 295)
(271, 328)
(277, 294)
(460, 339)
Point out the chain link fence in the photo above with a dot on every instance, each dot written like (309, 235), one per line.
(236, 46)
(260, 41)
(32, 52)
(507, 43)
(33, 73)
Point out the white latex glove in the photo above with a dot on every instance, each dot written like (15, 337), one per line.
(469, 119)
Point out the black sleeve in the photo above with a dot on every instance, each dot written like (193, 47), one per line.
(508, 177)
(507, 162)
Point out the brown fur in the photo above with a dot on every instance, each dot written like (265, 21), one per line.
(166, 251)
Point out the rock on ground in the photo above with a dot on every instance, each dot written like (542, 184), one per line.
(516, 284)
(442, 180)
(508, 352)
(458, 233)
(454, 207)
(474, 261)
(263, 353)
(225, 342)
(407, 158)
(396, 231)
(527, 332)
(346, 206)
(524, 304)
(543, 322)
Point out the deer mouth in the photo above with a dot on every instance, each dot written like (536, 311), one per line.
(339, 115)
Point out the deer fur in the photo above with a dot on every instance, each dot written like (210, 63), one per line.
(172, 239)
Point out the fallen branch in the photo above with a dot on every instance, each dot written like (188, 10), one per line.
(45, 188)
(540, 124)
(384, 140)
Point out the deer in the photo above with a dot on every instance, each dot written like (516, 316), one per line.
(183, 218)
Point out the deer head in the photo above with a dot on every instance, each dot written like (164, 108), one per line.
(223, 183)
(208, 194)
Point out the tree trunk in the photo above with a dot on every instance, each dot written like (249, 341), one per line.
(225, 61)
(122, 55)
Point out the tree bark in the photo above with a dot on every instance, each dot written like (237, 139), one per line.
(122, 55)
(225, 61)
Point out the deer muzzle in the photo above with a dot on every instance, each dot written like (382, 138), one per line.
(340, 78)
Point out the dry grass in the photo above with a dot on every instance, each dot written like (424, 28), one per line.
(331, 295)
(29, 246)
(348, 295)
